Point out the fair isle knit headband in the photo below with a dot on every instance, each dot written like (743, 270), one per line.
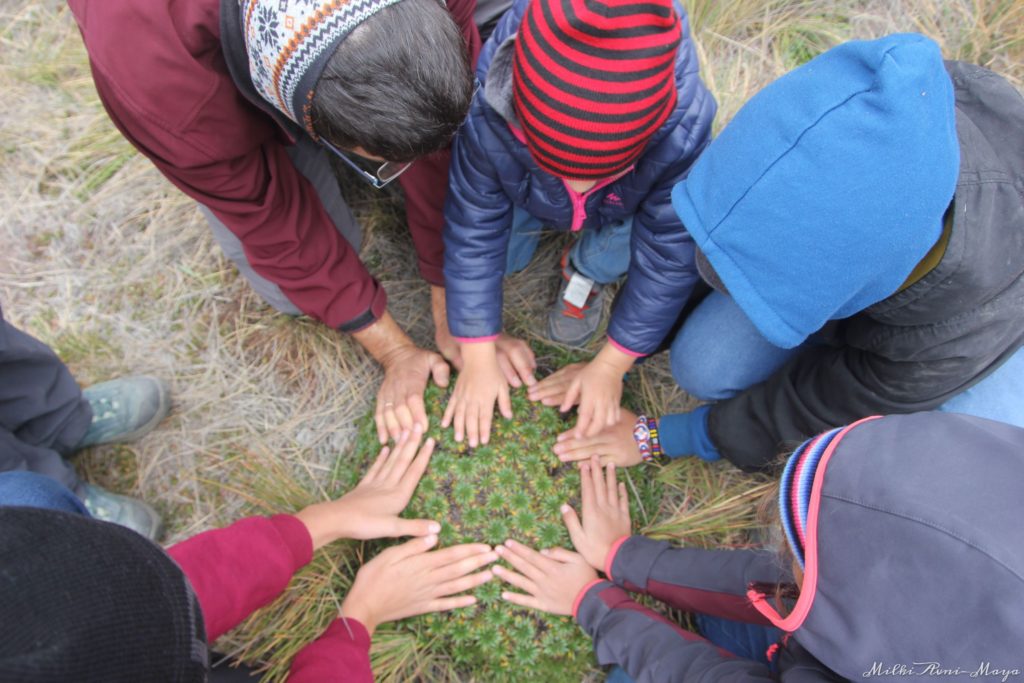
(795, 489)
(593, 81)
(290, 41)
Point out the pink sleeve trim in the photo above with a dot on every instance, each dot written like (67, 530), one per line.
(581, 594)
(626, 351)
(475, 340)
(610, 558)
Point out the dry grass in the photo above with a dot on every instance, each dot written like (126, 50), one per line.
(102, 259)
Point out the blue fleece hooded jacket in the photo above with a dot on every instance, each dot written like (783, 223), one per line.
(829, 186)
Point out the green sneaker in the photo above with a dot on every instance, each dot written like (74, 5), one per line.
(124, 409)
(122, 510)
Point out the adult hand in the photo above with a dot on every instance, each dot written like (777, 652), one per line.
(372, 508)
(605, 514)
(551, 579)
(406, 371)
(406, 580)
(516, 360)
(551, 390)
(613, 444)
(471, 407)
(598, 389)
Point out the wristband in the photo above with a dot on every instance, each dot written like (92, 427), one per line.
(645, 433)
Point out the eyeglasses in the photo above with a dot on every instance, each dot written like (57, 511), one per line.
(387, 172)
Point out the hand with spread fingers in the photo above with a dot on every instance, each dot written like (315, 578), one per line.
(550, 579)
(613, 444)
(406, 580)
(372, 508)
(551, 390)
(480, 385)
(605, 514)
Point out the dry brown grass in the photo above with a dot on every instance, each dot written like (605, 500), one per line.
(102, 259)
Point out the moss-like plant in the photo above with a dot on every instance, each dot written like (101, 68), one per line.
(511, 488)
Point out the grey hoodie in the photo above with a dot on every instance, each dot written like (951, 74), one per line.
(914, 569)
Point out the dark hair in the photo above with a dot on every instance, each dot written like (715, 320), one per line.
(398, 86)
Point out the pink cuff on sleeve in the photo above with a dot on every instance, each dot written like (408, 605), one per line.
(610, 558)
(626, 351)
(475, 340)
(583, 592)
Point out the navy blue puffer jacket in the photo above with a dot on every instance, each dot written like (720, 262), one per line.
(491, 171)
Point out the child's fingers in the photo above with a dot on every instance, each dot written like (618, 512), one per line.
(613, 485)
(586, 487)
(415, 471)
(514, 579)
(508, 371)
(524, 363)
(579, 449)
(572, 394)
(523, 600)
(597, 480)
(376, 465)
(460, 420)
(447, 604)
(414, 527)
(455, 553)
(463, 566)
(623, 499)
(449, 412)
(572, 523)
(396, 465)
(464, 583)
(562, 555)
(505, 402)
(526, 560)
(472, 424)
(404, 551)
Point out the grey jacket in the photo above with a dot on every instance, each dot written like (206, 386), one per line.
(923, 345)
(914, 555)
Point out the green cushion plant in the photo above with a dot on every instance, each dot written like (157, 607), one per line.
(513, 487)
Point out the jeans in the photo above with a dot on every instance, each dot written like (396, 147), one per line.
(601, 255)
(746, 641)
(719, 353)
(32, 490)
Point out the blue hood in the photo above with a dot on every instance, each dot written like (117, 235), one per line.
(829, 186)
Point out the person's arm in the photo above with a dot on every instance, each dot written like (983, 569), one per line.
(825, 387)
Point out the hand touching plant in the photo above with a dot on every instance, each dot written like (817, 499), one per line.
(550, 579)
(372, 508)
(613, 444)
(605, 514)
(406, 580)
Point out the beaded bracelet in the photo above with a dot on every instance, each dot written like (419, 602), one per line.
(645, 433)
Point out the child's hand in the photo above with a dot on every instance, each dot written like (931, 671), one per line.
(372, 508)
(471, 407)
(551, 578)
(605, 514)
(406, 580)
(598, 389)
(516, 360)
(551, 390)
(613, 444)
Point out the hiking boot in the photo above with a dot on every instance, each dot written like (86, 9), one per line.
(122, 510)
(124, 409)
(576, 315)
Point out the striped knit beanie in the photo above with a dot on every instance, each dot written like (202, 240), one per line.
(795, 489)
(593, 80)
(290, 41)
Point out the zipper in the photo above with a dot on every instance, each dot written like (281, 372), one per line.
(579, 199)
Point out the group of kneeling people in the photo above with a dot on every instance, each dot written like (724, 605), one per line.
(841, 268)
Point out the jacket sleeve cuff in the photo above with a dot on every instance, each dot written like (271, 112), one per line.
(369, 316)
(610, 559)
(476, 340)
(628, 352)
(687, 434)
(584, 592)
(296, 537)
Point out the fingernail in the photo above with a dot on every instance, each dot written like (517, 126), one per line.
(497, 570)
(434, 528)
(564, 509)
(430, 540)
(545, 551)
(510, 543)
(499, 550)
(418, 428)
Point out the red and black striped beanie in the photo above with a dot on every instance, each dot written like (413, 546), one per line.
(593, 80)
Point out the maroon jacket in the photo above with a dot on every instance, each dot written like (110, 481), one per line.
(161, 73)
(236, 570)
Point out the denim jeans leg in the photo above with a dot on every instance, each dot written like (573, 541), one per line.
(603, 255)
(1000, 396)
(718, 352)
(28, 489)
(746, 641)
(523, 241)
